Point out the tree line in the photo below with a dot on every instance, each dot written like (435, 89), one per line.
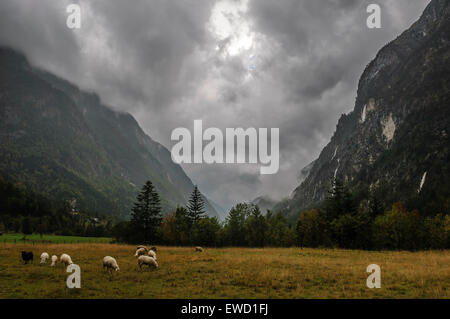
(23, 210)
(346, 221)
(341, 221)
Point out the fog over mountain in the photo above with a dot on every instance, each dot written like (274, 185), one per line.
(290, 64)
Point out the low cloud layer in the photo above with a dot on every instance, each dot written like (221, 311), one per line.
(290, 64)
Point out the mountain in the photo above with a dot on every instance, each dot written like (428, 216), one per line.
(264, 203)
(222, 213)
(64, 143)
(397, 136)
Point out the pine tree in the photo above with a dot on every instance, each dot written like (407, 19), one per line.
(235, 224)
(256, 227)
(146, 214)
(196, 206)
(375, 203)
(339, 201)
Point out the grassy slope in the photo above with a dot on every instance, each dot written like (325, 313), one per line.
(227, 273)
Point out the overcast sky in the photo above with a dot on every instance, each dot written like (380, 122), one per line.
(288, 64)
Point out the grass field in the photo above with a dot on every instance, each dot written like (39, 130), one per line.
(226, 273)
(36, 238)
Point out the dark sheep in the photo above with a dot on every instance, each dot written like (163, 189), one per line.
(27, 256)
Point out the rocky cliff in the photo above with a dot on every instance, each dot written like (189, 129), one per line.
(397, 136)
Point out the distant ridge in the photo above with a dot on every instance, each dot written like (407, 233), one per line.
(66, 144)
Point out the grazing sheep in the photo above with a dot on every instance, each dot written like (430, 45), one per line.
(152, 254)
(153, 248)
(141, 246)
(27, 256)
(54, 260)
(65, 259)
(200, 249)
(44, 257)
(146, 260)
(110, 263)
(140, 252)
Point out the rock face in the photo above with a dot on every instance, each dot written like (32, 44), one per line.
(399, 127)
(65, 144)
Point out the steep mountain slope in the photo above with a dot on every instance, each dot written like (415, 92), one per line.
(397, 136)
(264, 203)
(65, 143)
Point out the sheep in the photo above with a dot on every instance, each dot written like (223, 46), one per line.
(140, 252)
(153, 248)
(54, 260)
(27, 256)
(141, 246)
(146, 260)
(65, 259)
(152, 254)
(110, 263)
(44, 257)
(199, 249)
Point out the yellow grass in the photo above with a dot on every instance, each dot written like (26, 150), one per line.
(226, 273)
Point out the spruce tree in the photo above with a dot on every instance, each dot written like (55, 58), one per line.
(256, 227)
(339, 201)
(146, 214)
(196, 206)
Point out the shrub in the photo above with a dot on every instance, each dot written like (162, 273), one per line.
(398, 229)
(312, 229)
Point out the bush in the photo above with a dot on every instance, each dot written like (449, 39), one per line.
(205, 232)
(352, 231)
(398, 229)
(312, 229)
(436, 233)
(278, 232)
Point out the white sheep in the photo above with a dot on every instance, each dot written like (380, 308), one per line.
(65, 259)
(200, 249)
(146, 260)
(44, 257)
(54, 260)
(141, 246)
(110, 263)
(140, 252)
(152, 254)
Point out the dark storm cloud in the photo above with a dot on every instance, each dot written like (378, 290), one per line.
(333, 46)
(36, 29)
(169, 62)
(132, 52)
(154, 38)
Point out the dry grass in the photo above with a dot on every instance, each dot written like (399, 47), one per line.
(226, 273)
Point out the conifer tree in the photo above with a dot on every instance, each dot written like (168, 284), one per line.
(196, 206)
(146, 214)
(339, 201)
